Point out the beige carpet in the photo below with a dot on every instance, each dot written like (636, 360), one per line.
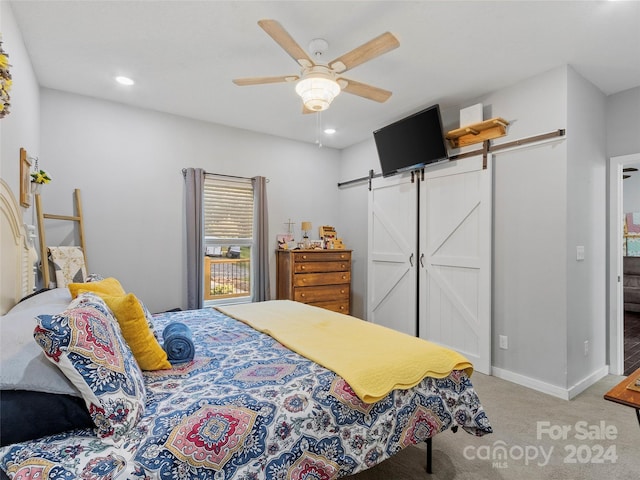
(601, 439)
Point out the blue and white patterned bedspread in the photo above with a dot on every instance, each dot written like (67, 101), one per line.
(248, 408)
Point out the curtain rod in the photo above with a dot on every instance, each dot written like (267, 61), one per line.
(556, 133)
(184, 172)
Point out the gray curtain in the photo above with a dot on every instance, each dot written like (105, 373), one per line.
(261, 282)
(194, 185)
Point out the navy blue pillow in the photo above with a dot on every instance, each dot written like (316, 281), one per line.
(27, 415)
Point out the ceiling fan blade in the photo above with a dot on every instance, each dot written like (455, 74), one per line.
(368, 51)
(630, 169)
(286, 41)
(364, 90)
(261, 80)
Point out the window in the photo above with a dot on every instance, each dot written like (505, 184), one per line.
(229, 213)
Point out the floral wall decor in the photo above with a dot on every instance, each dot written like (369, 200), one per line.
(39, 176)
(5, 82)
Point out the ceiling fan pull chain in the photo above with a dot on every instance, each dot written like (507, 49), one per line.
(318, 125)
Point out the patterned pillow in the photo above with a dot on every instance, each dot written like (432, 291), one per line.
(85, 342)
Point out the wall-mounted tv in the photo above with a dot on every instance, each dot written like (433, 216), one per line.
(411, 143)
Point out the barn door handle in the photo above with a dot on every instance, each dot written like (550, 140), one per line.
(411, 260)
(421, 260)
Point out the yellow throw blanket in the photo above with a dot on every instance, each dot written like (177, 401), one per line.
(374, 360)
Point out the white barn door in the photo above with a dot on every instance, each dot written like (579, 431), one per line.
(455, 259)
(392, 258)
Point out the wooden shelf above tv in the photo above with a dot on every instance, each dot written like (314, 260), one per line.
(477, 132)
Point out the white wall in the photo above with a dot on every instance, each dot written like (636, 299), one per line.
(21, 128)
(623, 122)
(631, 192)
(127, 163)
(355, 163)
(586, 226)
(530, 212)
(623, 138)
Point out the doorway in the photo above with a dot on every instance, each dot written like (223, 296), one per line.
(616, 297)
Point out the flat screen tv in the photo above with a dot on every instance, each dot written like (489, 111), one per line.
(411, 143)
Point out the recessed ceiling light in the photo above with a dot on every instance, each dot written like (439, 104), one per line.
(124, 81)
(329, 131)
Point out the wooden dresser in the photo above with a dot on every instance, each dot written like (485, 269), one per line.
(317, 277)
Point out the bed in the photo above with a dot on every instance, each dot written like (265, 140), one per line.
(246, 406)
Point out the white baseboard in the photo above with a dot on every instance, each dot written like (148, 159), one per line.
(530, 383)
(549, 389)
(588, 381)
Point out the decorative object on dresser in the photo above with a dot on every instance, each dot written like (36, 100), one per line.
(306, 228)
(316, 277)
(330, 238)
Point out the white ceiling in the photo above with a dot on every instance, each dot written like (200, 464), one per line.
(183, 54)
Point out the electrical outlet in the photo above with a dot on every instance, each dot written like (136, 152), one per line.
(586, 348)
(504, 342)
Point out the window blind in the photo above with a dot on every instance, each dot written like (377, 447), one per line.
(228, 207)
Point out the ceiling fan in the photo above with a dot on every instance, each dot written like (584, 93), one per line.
(628, 170)
(319, 83)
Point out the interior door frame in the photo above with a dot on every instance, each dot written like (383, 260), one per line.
(616, 298)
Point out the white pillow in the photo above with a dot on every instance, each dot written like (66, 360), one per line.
(23, 365)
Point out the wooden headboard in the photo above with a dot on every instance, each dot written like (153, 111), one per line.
(17, 256)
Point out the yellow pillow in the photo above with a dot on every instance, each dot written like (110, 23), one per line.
(108, 286)
(136, 332)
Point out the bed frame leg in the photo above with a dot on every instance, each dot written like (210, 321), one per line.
(429, 470)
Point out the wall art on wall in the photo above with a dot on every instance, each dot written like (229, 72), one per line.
(25, 179)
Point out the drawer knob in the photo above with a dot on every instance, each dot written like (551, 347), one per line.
(302, 267)
(341, 291)
(302, 295)
(342, 266)
(304, 256)
(341, 307)
(344, 277)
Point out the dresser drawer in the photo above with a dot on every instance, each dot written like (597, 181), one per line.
(321, 293)
(315, 267)
(329, 278)
(322, 256)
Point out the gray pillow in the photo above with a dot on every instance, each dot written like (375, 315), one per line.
(23, 365)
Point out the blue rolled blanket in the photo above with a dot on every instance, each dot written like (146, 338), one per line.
(178, 343)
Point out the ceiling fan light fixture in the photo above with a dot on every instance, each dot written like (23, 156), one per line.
(317, 92)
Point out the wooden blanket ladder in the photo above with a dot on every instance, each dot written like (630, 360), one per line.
(44, 256)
